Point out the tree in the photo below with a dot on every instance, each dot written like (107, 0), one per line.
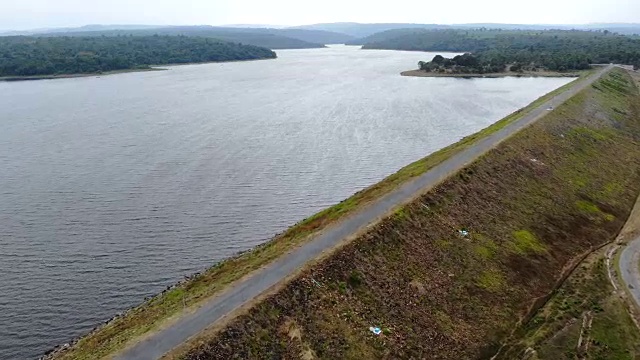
(438, 59)
(516, 67)
(466, 60)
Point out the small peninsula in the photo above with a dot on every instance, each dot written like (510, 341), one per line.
(470, 66)
(28, 58)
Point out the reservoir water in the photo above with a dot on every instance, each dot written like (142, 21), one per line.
(113, 187)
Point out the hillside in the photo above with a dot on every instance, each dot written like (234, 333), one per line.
(33, 56)
(85, 28)
(451, 274)
(314, 36)
(329, 33)
(360, 31)
(269, 38)
(388, 35)
(625, 29)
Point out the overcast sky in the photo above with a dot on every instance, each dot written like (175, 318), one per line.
(28, 14)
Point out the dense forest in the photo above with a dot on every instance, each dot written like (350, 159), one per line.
(32, 56)
(555, 50)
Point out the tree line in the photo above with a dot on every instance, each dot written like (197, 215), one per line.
(34, 56)
(556, 50)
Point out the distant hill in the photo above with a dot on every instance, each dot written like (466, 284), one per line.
(84, 28)
(305, 36)
(494, 49)
(387, 35)
(624, 29)
(315, 36)
(267, 37)
(358, 30)
(254, 26)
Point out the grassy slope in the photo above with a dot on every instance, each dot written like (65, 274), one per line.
(440, 295)
(554, 332)
(159, 309)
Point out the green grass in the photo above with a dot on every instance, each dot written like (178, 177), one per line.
(484, 252)
(588, 207)
(155, 312)
(491, 280)
(593, 210)
(527, 243)
(613, 334)
(484, 247)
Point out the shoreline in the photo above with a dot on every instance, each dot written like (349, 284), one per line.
(529, 74)
(72, 76)
(156, 66)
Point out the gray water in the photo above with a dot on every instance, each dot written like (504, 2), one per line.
(112, 188)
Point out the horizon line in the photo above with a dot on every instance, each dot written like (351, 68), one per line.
(276, 26)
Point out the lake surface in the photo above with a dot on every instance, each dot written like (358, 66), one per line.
(112, 188)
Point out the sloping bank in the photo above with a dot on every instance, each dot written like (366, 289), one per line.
(531, 206)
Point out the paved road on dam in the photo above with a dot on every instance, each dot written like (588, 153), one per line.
(630, 268)
(159, 343)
